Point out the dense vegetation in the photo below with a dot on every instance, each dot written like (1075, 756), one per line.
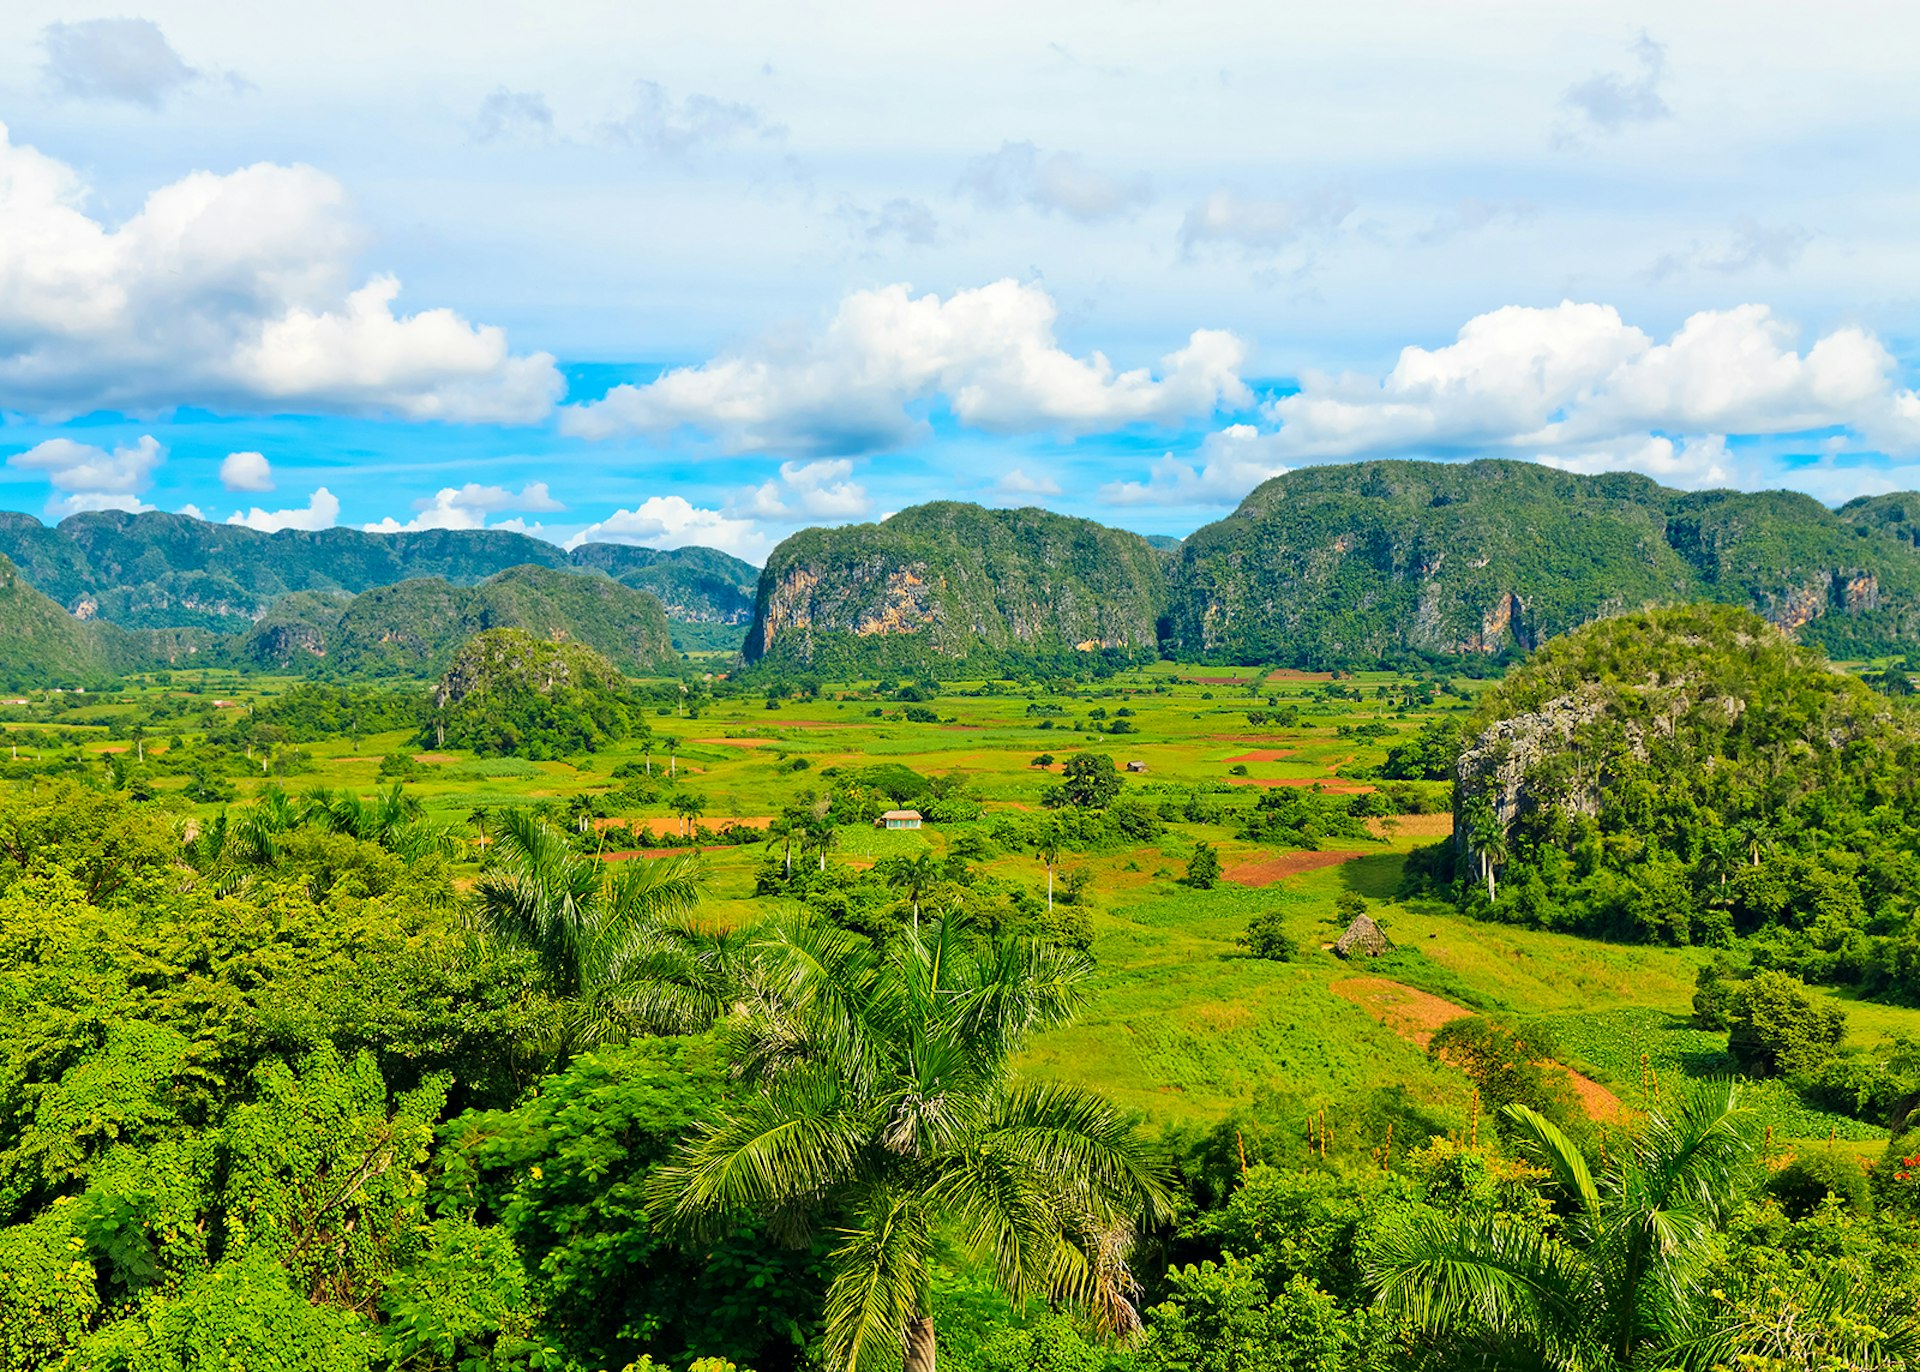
(1408, 561)
(508, 693)
(1694, 776)
(951, 583)
(158, 570)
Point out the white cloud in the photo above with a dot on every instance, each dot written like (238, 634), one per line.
(1258, 225)
(92, 478)
(1052, 183)
(246, 472)
(467, 507)
(990, 352)
(670, 521)
(231, 292)
(1232, 462)
(1020, 483)
(322, 512)
(1578, 386)
(128, 60)
(677, 129)
(514, 116)
(1609, 101)
(192, 511)
(809, 490)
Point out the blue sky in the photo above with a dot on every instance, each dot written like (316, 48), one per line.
(677, 274)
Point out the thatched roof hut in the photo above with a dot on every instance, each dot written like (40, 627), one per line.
(1363, 939)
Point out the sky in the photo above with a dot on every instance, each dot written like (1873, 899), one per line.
(673, 274)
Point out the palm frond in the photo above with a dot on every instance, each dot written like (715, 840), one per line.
(881, 1273)
(1543, 1142)
(1492, 1274)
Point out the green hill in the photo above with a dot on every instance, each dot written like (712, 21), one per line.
(947, 583)
(158, 570)
(42, 645)
(1692, 774)
(1386, 561)
(507, 692)
(416, 627)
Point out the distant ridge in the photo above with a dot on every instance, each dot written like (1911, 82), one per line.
(158, 570)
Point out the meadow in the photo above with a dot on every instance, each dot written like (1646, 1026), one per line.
(1181, 1025)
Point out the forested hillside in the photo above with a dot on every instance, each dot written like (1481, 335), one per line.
(1385, 561)
(42, 645)
(1692, 775)
(415, 627)
(950, 582)
(158, 570)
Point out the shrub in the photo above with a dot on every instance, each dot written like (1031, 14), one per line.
(1267, 937)
(1775, 1029)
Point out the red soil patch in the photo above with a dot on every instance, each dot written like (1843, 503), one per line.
(435, 758)
(632, 853)
(1333, 785)
(1269, 870)
(1265, 755)
(670, 824)
(1415, 1015)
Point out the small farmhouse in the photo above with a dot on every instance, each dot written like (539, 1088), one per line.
(898, 819)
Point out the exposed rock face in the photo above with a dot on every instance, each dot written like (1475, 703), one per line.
(1503, 764)
(954, 582)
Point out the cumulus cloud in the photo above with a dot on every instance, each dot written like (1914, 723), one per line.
(246, 472)
(1578, 386)
(1019, 484)
(467, 507)
(231, 292)
(989, 352)
(128, 60)
(508, 116)
(1052, 183)
(92, 478)
(671, 521)
(322, 512)
(664, 127)
(1260, 226)
(1230, 463)
(809, 490)
(1609, 101)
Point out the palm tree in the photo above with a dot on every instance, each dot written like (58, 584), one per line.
(1623, 1284)
(689, 807)
(914, 876)
(783, 828)
(821, 835)
(1486, 838)
(1047, 846)
(621, 949)
(880, 1086)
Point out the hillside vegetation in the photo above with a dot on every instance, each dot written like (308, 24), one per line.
(956, 583)
(159, 570)
(508, 693)
(1399, 561)
(1692, 775)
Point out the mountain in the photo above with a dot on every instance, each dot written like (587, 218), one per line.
(949, 582)
(1401, 560)
(157, 570)
(42, 645)
(416, 626)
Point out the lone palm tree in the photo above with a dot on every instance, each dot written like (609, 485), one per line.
(1046, 845)
(880, 1085)
(621, 948)
(915, 877)
(1624, 1285)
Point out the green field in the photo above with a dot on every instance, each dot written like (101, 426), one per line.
(1180, 1025)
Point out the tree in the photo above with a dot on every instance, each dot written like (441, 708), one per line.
(1776, 1029)
(689, 805)
(1046, 845)
(621, 949)
(881, 1091)
(1486, 838)
(1623, 1281)
(1088, 782)
(914, 877)
(1267, 937)
(1203, 868)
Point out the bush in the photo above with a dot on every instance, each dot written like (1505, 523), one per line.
(1203, 868)
(1267, 937)
(1775, 1029)
(1804, 1184)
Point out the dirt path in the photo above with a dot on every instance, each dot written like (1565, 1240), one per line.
(1266, 871)
(1414, 1015)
